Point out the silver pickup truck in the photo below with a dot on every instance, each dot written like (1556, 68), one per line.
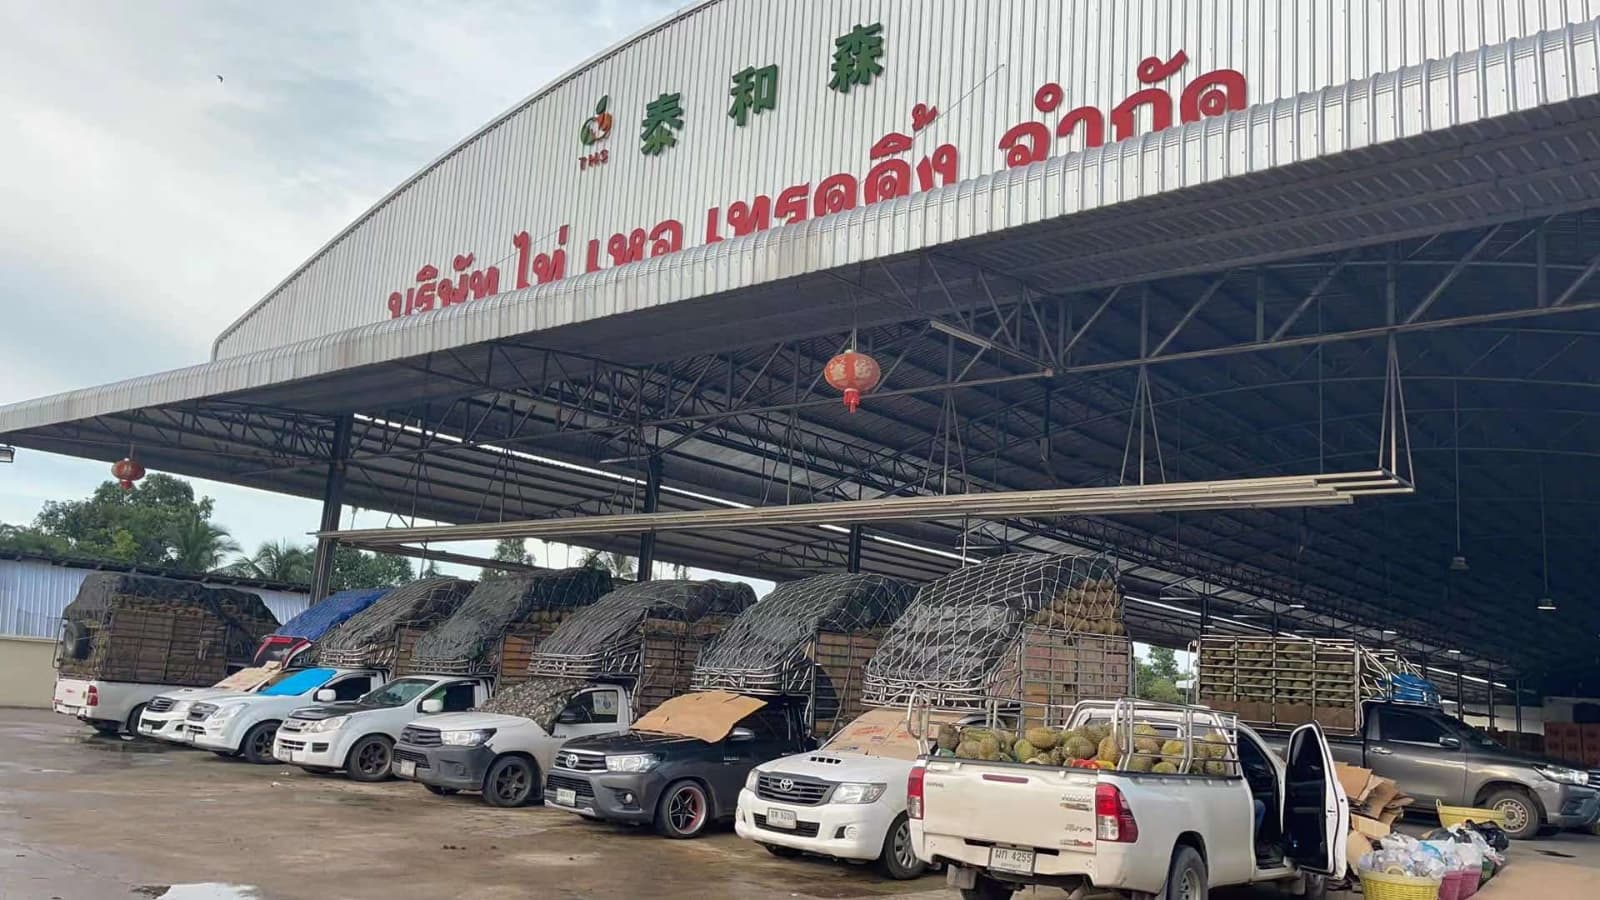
(1437, 759)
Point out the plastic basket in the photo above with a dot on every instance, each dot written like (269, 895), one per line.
(1458, 815)
(1450, 887)
(1470, 882)
(1393, 886)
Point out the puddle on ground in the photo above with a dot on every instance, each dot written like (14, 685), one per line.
(117, 744)
(200, 891)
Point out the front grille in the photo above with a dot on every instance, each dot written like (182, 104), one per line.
(195, 729)
(575, 761)
(421, 759)
(420, 737)
(580, 787)
(782, 788)
(160, 704)
(800, 829)
(201, 710)
(296, 746)
(294, 726)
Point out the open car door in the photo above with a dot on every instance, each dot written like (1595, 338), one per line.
(1316, 812)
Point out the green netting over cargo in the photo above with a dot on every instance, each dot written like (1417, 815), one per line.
(469, 642)
(372, 637)
(958, 633)
(159, 630)
(607, 639)
(541, 699)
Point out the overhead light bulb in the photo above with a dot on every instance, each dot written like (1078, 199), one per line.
(1390, 631)
(1297, 606)
(1458, 563)
(1453, 652)
(1547, 604)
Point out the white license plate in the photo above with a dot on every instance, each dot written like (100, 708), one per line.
(565, 797)
(1006, 859)
(781, 818)
(297, 756)
(405, 768)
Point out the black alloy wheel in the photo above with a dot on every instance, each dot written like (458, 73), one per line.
(257, 744)
(512, 781)
(370, 759)
(683, 811)
(899, 860)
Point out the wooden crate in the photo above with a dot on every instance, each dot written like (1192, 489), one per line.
(840, 660)
(1058, 668)
(668, 652)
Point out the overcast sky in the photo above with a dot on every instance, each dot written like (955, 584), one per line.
(145, 204)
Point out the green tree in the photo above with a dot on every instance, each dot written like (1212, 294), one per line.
(276, 561)
(26, 539)
(513, 550)
(620, 565)
(1156, 677)
(137, 526)
(354, 568)
(201, 546)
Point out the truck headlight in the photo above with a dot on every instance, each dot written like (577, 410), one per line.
(466, 738)
(858, 792)
(331, 724)
(751, 780)
(224, 713)
(632, 762)
(1563, 775)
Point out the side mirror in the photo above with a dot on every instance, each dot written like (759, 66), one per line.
(325, 695)
(1450, 743)
(741, 734)
(432, 705)
(570, 717)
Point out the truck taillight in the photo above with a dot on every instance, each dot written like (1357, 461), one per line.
(1113, 821)
(92, 696)
(914, 793)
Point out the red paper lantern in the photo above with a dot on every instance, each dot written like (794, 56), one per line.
(127, 470)
(853, 373)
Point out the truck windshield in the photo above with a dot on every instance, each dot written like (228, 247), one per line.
(299, 683)
(396, 692)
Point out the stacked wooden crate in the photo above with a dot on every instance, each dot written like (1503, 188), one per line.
(1051, 669)
(1573, 742)
(1281, 682)
(841, 663)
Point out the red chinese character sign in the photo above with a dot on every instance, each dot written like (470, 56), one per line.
(855, 374)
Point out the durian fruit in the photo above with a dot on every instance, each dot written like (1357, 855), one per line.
(1024, 750)
(1109, 751)
(1140, 764)
(969, 750)
(989, 746)
(1164, 768)
(1078, 747)
(1147, 745)
(1043, 738)
(1146, 730)
(1172, 752)
(1040, 761)
(1096, 733)
(1215, 769)
(949, 738)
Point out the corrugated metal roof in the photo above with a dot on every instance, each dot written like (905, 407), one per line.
(1273, 149)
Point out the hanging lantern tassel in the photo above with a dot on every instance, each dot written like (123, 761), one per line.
(127, 470)
(853, 373)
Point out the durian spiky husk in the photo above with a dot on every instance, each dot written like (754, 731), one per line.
(1024, 750)
(1078, 747)
(949, 737)
(1108, 750)
(969, 750)
(1040, 761)
(1164, 768)
(1148, 745)
(1043, 738)
(1140, 764)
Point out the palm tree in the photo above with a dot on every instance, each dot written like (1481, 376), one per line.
(277, 561)
(201, 546)
(619, 565)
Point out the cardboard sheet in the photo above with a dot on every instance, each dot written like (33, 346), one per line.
(878, 732)
(1356, 780)
(1370, 827)
(250, 679)
(708, 715)
(1383, 793)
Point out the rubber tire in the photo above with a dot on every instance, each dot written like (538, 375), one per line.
(504, 764)
(889, 863)
(784, 852)
(1534, 819)
(663, 823)
(247, 747)
(353, 768)
(1184, 859)
(106, 729)
(988, 889)
(441, 791)
(132, 724)
(317, 770)
(226, 754)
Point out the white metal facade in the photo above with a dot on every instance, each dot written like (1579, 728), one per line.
(978, 61)
(33, 595)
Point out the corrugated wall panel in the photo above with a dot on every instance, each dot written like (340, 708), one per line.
(34, 594)
(979, 61)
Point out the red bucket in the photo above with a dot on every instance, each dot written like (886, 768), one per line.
(1469, 882)
(1450, 887)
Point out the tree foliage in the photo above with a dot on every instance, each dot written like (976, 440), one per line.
(276, 561)
(1156, 677)
(354, 568)
(507, 550)
(159, 522)
(201, 546)
(619, 565)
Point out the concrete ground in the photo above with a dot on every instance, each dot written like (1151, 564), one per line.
(89, 818)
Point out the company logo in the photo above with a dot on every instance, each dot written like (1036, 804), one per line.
(786, 784)
(597, 127)
(567, 760)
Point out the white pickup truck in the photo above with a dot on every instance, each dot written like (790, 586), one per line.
(999, 825)
(359, 736)
(245, 724)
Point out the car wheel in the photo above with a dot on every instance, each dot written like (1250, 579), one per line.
(683, 810)
(512, 781)
(257, 744)
(132, 725)
(899, 860)
(1186, 876)
(106, 729)
(317, 770)
(226, 754)
(1523, 817)
(441, 791)
(988, 889)
(785, 852)
(370, 758)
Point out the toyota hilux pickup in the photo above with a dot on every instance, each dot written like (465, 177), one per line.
(504, 755)
(1147, 831)
(358, 736)
(245, 724)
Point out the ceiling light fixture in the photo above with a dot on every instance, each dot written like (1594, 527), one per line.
(1546, 604)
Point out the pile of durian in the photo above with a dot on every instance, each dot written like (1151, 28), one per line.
(1094, 607)
(1088, 746)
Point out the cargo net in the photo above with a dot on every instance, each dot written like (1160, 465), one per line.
(769, 650)
(541, 700)
(607, 639)
(372, 637)
(960, 637)
(159, 630)
(470, 641)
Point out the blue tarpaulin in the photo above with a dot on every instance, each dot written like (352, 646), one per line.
(330, 613)
(300, 682)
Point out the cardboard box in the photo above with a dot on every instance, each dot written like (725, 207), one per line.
(1371, 828)
(1357, 782)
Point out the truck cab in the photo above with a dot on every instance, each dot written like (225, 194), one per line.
(358, 736)
(506, 756)
(245, 724)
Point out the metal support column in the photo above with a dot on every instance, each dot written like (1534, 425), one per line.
(1461, 694)
(1492, 725)
(652, 498)
(1518, 695)
(332, 507)
(853, 553)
